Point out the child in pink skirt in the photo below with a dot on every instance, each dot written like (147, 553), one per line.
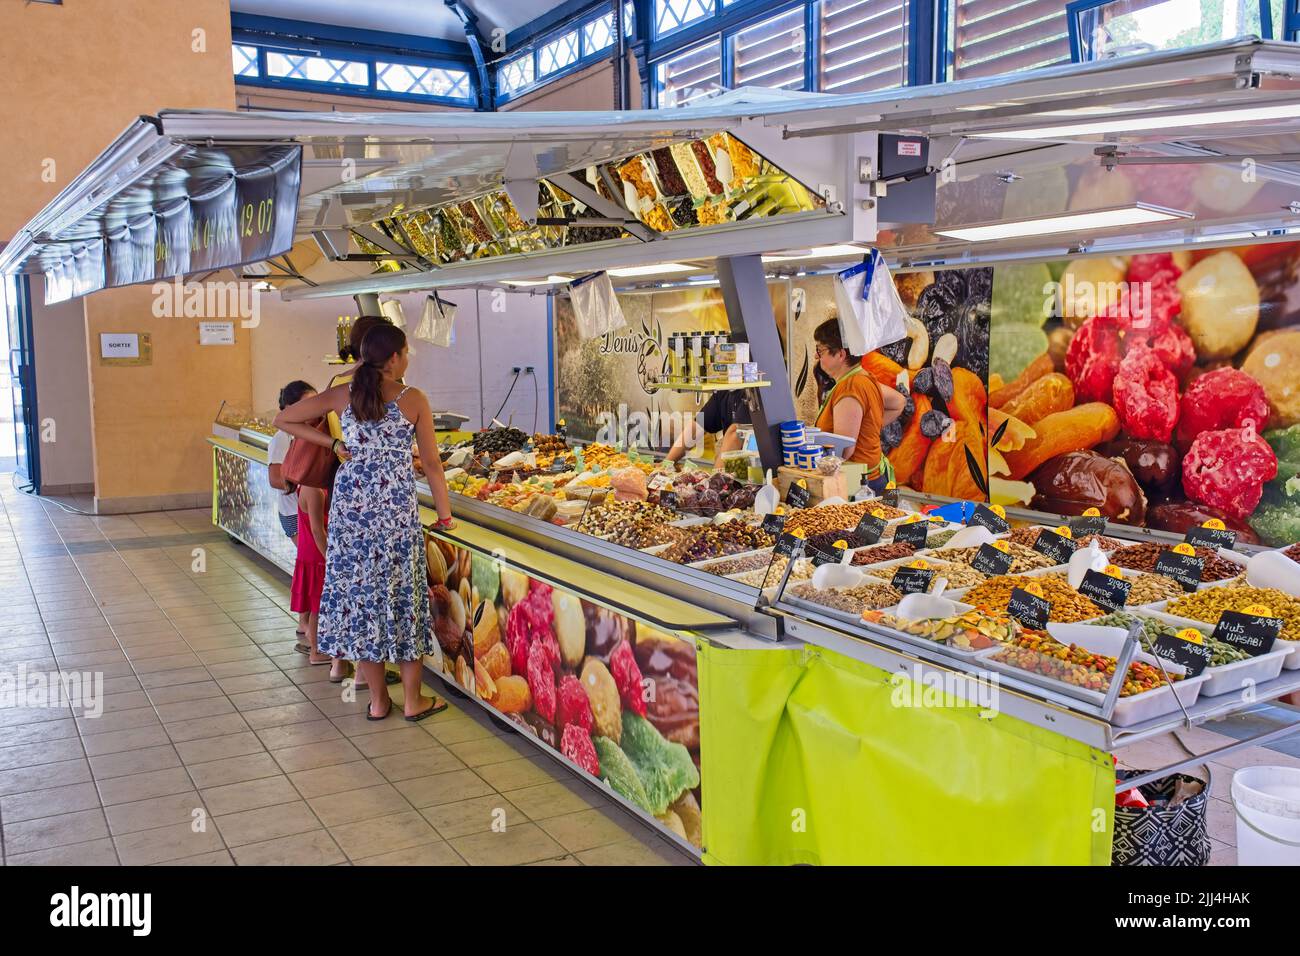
(309, 569)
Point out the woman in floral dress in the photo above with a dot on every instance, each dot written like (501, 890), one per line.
(375, 605)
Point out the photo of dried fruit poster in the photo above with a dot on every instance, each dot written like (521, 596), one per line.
(1159, 388)
(615, 696)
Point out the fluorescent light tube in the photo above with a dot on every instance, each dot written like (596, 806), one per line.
(841, 251)
(662, 268)
(1135, 123)
(1133, 215)
(549, 280)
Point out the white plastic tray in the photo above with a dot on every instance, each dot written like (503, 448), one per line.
(1233, 677)
(1289, 663)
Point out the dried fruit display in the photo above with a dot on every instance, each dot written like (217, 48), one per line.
(1048, 395)
(1023, 557)
(1209, 604)
(883, 552)
(1273, 362)
(670, 178)
(1227, 469)
(1068, 605)
(575, 743)
(972, 631)
(854, 600)
(1092, 360)
(627, 677)
(1143, 557)
(1181, 515)
(1220, 305)
(1040, 653)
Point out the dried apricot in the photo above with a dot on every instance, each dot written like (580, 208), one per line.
(1033, 372)
(1050, 394)
(1073, 430)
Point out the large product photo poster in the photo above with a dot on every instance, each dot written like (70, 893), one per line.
(1161, 389)
(614, 695)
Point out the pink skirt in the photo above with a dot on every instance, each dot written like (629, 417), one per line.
(308, 582)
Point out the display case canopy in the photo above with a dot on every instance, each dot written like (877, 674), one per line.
(1197, 146)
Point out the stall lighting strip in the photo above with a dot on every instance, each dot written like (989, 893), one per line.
(662, 268)
(1135, 214)
(549, 280)
(1139, 124)
(818, 252)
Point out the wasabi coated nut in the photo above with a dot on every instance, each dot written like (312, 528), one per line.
(1209, 604)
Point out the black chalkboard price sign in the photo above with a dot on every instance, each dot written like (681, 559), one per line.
(911, 580)
(1109, 592)
(991, 560)
(1187, 647)
(1253, 633)
(1054, 545)
(870, 528)
(913, 533)
(1184, 568)
(986, 517)
(1208, 536)
(773, 524)
(1029, 609)
(798, 496)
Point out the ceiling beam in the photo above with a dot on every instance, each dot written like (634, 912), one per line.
(485, 86)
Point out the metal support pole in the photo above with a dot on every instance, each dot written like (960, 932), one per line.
(749, 311)
(1259, 740)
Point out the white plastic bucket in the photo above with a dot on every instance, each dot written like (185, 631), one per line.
(1267, 801)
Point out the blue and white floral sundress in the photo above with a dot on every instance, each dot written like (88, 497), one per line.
(375, 604)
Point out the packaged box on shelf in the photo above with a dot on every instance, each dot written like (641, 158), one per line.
(727, 373)
(821, 486)
(729, 352)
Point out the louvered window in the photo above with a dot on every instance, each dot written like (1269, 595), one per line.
(863, 45)
(690, 75)
(992, 37)
(771, 53)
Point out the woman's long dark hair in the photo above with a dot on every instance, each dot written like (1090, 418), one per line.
(292, 393)
(363, 324)
(380, 344)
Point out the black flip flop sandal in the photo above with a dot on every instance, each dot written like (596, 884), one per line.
(370, 716)
(438, 707)
(302, 648)
(389, 678)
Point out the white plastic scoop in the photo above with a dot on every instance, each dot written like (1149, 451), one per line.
(1272, 569)
(767, 499)
(971, 536)
(1091, 558)
(923, 607)
(842, 575)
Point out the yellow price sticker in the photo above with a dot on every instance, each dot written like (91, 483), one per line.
(802, 482)
(1034, 588)
(1184, 548)
(780, 510)
(1113, 571)
(841, 544)
(1001, 546)
(1214, 524)
(560, 423)
(890, 486)
(919, 563)
(1064, 531)
(799, 533)
(911, 519)
(998, 510)
(877, 513)
(1192, 635)
(1259, 610)
(1092, 512)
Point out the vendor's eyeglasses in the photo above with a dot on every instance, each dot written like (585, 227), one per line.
(821, 350)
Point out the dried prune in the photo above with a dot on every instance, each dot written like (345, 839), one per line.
(896, 351)
(934, 423)
(937, 307)
(924, 381)
(891, 436)
(909, 409)
(954, 280)
(973, 335)
(942, 379)
(979, 285)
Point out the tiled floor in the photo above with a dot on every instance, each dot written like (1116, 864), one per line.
(219, 745)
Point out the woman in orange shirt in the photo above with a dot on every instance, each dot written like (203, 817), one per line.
(857, 404)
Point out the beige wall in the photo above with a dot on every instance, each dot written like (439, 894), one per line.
(79, 73)
(264, 98)
(62, 393)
